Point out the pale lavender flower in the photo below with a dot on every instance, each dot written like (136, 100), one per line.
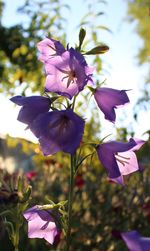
(119, 158)
(41, 224)
(67, 74)
(49, 48)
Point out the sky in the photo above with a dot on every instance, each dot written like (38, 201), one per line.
(120, 64)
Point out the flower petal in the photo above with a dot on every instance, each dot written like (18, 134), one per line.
(108, 99)
(108, 161)
(67, 74)
(145, 243)
(40, 224)
(118, 158)
(119, 180)
(49, 48)
(31, 107)
(128, 162)
(58, 131)
(138, 145)
(132, 240)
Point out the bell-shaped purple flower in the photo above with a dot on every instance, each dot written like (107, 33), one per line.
(119, 158)
(31, 107)
(41, 224)
(67, 74)
(108, 99)
(58, 131)
(135, 242)
(49, 48)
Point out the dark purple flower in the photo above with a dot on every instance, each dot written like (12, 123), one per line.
(67, 74)
(108, 99)
(119, 158)
(41, 224)
(31, 107)
(135, 242)
(58, 131)
(49, 48)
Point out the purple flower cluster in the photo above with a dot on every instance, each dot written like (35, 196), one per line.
(67, 73)
(54, 129)
(61, 130)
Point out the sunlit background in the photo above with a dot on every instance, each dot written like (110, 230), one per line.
(120, 64)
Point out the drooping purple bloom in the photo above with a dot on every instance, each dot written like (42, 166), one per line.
(31, 107)
(49, 48)
(41, 224)
(67, 74)
(119, 158)
(135, 242)
(58, 131)
(109, 99)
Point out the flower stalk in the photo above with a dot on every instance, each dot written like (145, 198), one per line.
(70, 201)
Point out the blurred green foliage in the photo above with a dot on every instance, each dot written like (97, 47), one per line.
(139, 12)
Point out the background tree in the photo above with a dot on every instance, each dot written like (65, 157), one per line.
(139, 11)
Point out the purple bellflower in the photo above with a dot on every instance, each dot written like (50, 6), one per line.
(31, 107)
(68, 74)
(119, 158)
(41, 224)
(49, 48)
(108, 99)
(58, 131)
(135, 242)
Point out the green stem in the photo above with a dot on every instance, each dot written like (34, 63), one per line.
(73, 104)
(70, 200)
(16, 243)
(16, 248)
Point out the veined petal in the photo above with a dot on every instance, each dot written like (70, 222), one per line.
(128, 162)
(49, 48)
(41, 224)
(67, 74)
(58, 84)
(118, 158)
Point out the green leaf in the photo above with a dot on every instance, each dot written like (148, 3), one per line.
(83, 158)
(27, 194)
(63, 202)
(82, 35)
(19, 184)
(98, 50)
(6, 212)
(103, 28)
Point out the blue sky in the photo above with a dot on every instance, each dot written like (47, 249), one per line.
(120, 62)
